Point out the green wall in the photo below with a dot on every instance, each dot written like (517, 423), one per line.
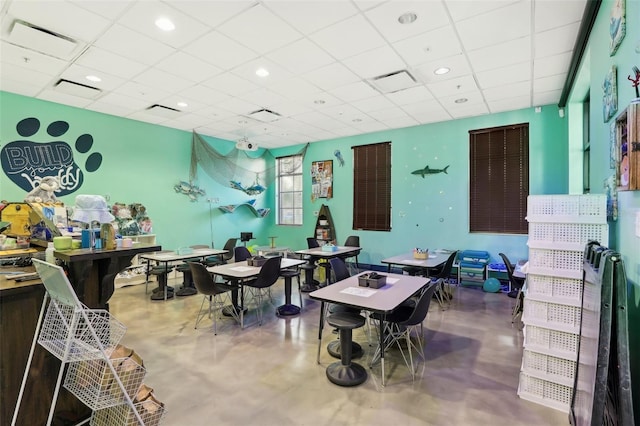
(622, 230)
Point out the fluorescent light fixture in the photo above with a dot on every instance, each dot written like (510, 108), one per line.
(407, 18)
(441, 71)
(262, 72)
(165, 24)
(94, 78)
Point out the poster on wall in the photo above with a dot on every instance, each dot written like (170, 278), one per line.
(610, 95)
(617, 25)
(322, 179)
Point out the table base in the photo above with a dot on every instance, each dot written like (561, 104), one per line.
(346, 375)
(186, 291)
(308, 288)
(334, 349)
(159, 295)
(287, 310)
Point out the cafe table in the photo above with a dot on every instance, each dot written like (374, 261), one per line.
(382, 301)
(315, 254)
(167, 257)
(239, 272)
(433, 260)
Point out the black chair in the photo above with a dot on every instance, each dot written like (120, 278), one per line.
(241, 253)
(443, 293)
(352, 241)
(399, 324)
(310, 284)
(214, 292)
(225, 257)
(515, 284)
(259, 286)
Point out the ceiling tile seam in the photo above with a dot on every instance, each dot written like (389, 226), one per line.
(532, 23)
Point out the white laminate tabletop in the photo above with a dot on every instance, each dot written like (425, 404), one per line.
(243, 271)
(397, 289)
(174, 256)
(407, 259)
(318, 252)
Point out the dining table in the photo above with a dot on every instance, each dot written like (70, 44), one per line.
(315, 254)
(382, 301)
(168, 257)
(239, 272)
(433, 260)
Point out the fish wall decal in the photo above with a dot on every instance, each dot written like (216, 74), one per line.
(429, 171)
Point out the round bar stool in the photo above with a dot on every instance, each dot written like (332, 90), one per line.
(289, 308)
(163, 291)
(334, 348)
(188, 287)
(345, 372)
(310, 284)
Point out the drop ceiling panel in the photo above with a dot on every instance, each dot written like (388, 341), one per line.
(288, 108)
(353, 92)
(388, 114)
(263, 97)
(29, 59)
(506, 91)
(157, 78)
(106, 8)
(494, 56)
(549, 15)
(238, 106)
(501, 76)
(248, 72)
(429, 15)
(61, 17)
(130, 44)
(376, 62)
(28, 76)
(458, 66)
(410, 96)
(469, 111)
(295, 88)
(63, 98)
(430, 46)
(79, 74)
(552, 82)
(461, 10)
(558, 40)
(331, 76)
(311, 15)
(188, 67)
(111, 63)
(230, 84)
(204, 94)
(127, 104)
(151, 94)
(19, 87)
(399, 122)
(513, 22)
(510, 104)
(374, 103)
(348, 38)
(212, 13)
(142, 16)
(551, 65)
(260, 29)
(301, 56)
(220, 50)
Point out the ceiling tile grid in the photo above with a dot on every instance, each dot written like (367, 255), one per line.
(322, 63)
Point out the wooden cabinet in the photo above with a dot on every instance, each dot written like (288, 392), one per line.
(325, 232)
(627, 133)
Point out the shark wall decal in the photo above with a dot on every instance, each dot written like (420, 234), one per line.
(429, 171)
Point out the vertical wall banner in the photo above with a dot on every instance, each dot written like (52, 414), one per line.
(27, 161)
(322, 179)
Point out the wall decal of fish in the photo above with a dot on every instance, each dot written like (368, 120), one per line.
(429, 171)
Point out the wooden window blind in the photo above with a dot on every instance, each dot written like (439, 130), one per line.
(499, 179)
(372, 187)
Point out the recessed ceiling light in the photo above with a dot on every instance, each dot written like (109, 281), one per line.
(441, 70)
(93, 78)
(165, 24)
(407, 18)
(262, 72)
(461, 100)
(183, 104)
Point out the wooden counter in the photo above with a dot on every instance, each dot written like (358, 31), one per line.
(91, 273)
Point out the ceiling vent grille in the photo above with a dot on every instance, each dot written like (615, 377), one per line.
(265, 115)
(164, 111)
(77, 89)
(41, 40)
(394, 82)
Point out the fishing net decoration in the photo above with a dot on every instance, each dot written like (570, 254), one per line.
(236, 169)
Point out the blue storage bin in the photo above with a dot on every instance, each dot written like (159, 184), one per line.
(472, 267)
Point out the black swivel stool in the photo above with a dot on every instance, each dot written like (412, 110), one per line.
(289, 308)
(309, 283)
(188, 287)
(345, 372)
(162, 273)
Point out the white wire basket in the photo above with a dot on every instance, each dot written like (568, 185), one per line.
(551, 315)
(150, 412)
(590, 208)
(86, 331)
(552, 342)
(561, 263)
(94, 383)
(566, 236)
(558, 370)
(545, 392)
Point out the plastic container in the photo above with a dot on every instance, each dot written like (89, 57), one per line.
(49, 256)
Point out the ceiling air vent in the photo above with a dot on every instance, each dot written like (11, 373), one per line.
(394, 82)
(76, 89)
(163, 111)
(265, 115)
(41, 40)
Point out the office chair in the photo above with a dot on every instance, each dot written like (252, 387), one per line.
(215, 293)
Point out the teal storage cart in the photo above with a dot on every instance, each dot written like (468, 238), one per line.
(472, 267)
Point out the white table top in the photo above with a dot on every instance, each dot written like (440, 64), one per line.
(243, 271)
(407, 259)
(174, 256)
(384, 299)
(318, 252)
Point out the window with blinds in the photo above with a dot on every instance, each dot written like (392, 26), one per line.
(372, 187)
(499, 179)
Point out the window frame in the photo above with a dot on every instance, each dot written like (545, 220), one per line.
(299, 173)
(372, 187)
(499, 179)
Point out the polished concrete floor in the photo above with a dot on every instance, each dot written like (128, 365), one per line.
(268, 374)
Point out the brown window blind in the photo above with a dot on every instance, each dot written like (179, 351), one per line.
(372, 187)
(499, 179)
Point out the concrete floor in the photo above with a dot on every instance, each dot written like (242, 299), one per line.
(268, 375)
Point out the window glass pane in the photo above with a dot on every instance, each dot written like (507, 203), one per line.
(289, 190)
(286, 183)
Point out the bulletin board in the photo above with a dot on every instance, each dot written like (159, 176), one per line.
(322, 179)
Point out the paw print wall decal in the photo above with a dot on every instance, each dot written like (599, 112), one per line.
(27, 162)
